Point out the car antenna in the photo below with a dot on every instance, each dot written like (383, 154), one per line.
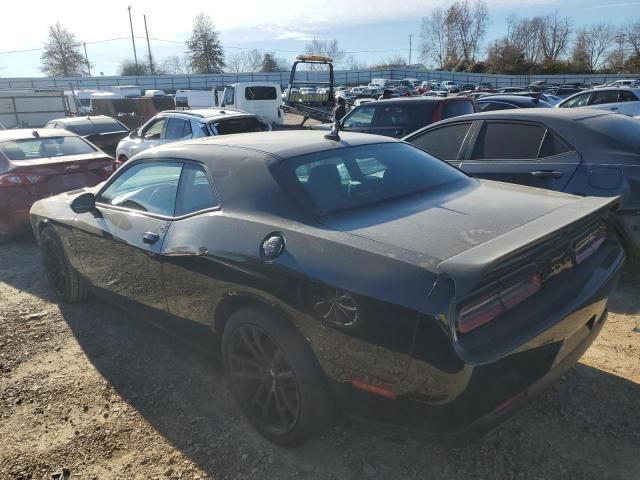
(35, 134)
(334, 134)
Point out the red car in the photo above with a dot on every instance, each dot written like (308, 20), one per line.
(39, 163)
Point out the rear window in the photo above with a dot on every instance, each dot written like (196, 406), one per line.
(240, 125)
(456, 108)
(347, 178)
(35, 148)
(260, 93)
(620, 128)
(92, 128)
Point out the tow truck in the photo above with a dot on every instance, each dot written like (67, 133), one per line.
(317, 106)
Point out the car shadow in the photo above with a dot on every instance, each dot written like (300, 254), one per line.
(171, 374)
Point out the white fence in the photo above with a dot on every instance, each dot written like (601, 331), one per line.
(171, 83)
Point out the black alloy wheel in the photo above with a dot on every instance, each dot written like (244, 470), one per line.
(274, 376)
(263, 379)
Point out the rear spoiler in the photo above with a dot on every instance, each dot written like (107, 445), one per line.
(104, 134)
(469, 268)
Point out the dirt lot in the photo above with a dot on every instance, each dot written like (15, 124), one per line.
(102, 395)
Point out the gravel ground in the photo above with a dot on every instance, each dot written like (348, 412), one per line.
(88, 392)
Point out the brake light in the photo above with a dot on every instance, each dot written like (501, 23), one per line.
(487, 308)
(20, 179)
(589, 245)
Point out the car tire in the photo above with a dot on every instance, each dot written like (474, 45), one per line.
(274, 377)
(63, 279)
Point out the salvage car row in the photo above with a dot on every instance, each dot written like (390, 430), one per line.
(350, 272)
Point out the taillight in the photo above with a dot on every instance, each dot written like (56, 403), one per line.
(588, 245)
(481, 311)
(20, 179)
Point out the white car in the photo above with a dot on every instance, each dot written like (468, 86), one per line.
(633, 82)
(174, 125)
(623, 100)
(450, 86)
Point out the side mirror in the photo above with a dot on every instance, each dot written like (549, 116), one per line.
(84, 203)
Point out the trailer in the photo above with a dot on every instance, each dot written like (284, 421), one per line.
(32, 107)
(315, 106)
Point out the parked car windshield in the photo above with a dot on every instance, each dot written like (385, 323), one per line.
(44, 147)
(347, 178)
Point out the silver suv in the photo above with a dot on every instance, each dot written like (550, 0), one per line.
(172, 125)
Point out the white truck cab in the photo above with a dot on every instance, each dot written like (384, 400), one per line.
(260, 98)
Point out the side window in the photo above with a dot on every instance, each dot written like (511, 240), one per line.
(154, 131)
(445, 142)
(229, 96)
(147, 187)
(392, 115)
(186, 132)
(455, 108)
(199, 130)
(577, 101)
(196, 192)
(607, 96)
(553, 145)
(509, 141)
(175, 129)
(359, 117)
(626, 96)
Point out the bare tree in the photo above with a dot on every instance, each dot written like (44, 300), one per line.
(205, 49)
(524, 34)
(329, 48)
(469, 25)
(434, 37)
(554, 37)
(592, 45)
(245, 61)
(353, 64)
(175, 65)
(272, 63)
(62, 55)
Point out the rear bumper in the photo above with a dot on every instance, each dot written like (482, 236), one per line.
(448, 399)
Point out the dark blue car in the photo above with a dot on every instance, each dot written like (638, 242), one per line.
(579, 151)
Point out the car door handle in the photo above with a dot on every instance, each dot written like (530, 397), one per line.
(614, 108)
(547, 173)
(150, 238)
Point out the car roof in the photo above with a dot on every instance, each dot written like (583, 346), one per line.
(419, 99)
(206, 115)
(535, 114)
(281, 144)
(515, 99)
(27, 133)
(622, 88)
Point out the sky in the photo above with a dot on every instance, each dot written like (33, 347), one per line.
(370, 30)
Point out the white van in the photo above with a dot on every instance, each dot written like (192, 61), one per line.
(260, 98)
(154, 93)
(127, 91)
(189, 99)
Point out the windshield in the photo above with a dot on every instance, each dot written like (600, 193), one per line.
(35, 148)
(352, 177)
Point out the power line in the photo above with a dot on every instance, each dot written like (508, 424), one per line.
(42, 48)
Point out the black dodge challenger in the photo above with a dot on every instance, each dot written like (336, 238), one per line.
(358, 275)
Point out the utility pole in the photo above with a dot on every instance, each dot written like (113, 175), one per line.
(148, 46)
(410, 36)
(133, 41)
(84, 44)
